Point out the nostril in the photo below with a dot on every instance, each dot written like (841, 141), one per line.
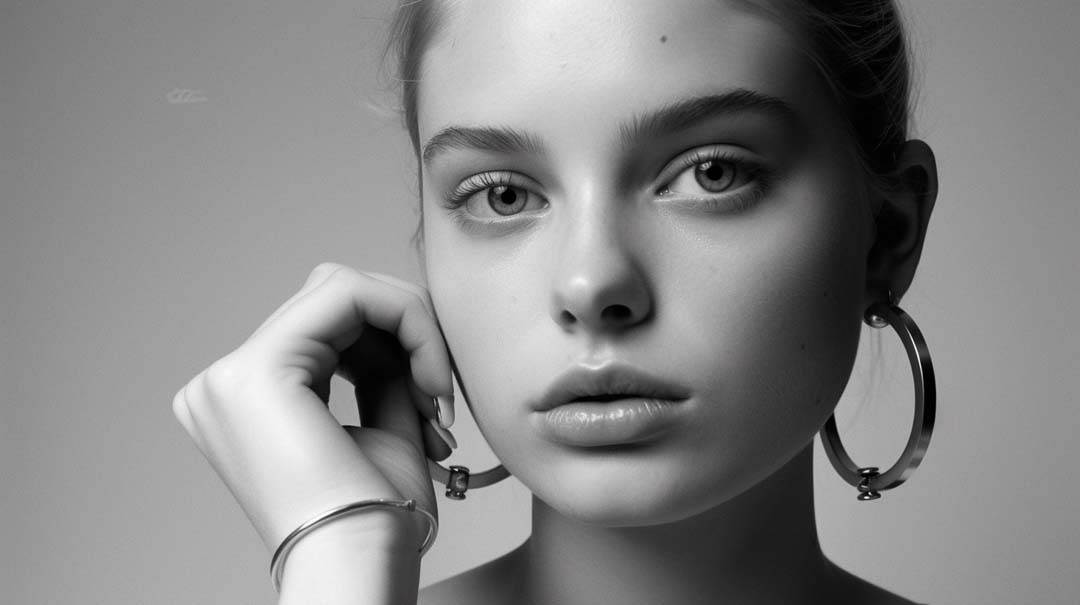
(566, 318)
(616, 313)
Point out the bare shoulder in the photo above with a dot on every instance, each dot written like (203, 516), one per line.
(493, 583)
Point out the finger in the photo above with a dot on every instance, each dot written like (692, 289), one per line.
(382, 408)
(318, 275)
(436, 445)
(437, 439)
(406, 285)
(375, 358)
(182, 411)
(337, 310)
(427, 404)
(445, 404)
(388, 406)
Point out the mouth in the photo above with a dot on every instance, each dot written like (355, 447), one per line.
(606, 384)
(612, 405)
(601, 398)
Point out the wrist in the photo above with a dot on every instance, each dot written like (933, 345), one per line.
(368, 557)
(376, 532)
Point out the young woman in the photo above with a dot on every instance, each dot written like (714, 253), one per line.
(651, 232)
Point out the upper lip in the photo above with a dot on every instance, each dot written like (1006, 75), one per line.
(608, 379)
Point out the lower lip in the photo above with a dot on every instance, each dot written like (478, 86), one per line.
(623, 421)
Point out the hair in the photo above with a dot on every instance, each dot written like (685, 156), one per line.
(858, 46)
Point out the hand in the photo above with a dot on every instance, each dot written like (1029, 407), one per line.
(259, 414)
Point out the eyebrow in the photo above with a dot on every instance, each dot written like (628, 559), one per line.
(676, 116)
(493, 139)
(687, 113)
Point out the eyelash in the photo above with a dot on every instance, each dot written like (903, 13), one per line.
(480, 182)
(759, 180)
(731, 202)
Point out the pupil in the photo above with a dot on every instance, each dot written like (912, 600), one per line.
(505, 199)
(714, 172)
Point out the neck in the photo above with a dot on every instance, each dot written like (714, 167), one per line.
(760, 547)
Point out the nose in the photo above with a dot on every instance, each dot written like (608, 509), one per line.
(599, 285)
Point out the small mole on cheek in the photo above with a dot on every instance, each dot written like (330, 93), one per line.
(663, 39)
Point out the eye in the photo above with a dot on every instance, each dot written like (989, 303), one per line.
(715, 175)
(492, 195)
(716, 179)
(710, 175)
(507, 199)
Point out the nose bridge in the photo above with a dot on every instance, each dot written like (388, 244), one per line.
(598, 281)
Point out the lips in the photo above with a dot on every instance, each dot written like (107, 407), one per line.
(609, 382)
(614, 404)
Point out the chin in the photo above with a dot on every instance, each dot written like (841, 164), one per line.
(620, 491)
(635, 497)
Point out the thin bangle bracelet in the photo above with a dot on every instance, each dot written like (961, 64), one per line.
(277, 562)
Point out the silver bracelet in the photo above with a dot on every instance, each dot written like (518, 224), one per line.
(277, 562)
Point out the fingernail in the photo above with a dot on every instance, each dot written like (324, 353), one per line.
(445, 434)
(444, 411)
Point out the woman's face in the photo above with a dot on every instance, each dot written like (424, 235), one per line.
(660, 187)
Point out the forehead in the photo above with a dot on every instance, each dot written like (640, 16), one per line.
(572, 69)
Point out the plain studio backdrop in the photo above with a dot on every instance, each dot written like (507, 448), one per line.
(171, 172)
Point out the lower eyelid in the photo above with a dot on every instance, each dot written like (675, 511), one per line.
(727, 204)
(753, 180)
(736, 200)
(490, 227)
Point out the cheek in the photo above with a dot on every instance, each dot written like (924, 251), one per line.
(802, 331)
(486, 299)
(785, 317)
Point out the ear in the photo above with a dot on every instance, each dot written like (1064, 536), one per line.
(901, 222)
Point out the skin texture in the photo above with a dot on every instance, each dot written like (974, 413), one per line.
(754, 311)
(718, 301)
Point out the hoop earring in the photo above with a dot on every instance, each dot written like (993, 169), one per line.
(458, 479)
(868, 480)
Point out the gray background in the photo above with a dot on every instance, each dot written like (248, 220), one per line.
(145, 234)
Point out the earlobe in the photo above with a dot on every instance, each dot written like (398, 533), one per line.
(902, 222)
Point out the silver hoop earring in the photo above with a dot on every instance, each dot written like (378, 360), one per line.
(868, 480)
(458, 479)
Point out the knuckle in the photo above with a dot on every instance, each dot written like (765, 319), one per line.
(421, 314)
(409, 286)
(323, 271)
(416, 301)
(423, 294)
(424, 298)
(180, 406)
(223, 377)
(421, 291)
(209, 394)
